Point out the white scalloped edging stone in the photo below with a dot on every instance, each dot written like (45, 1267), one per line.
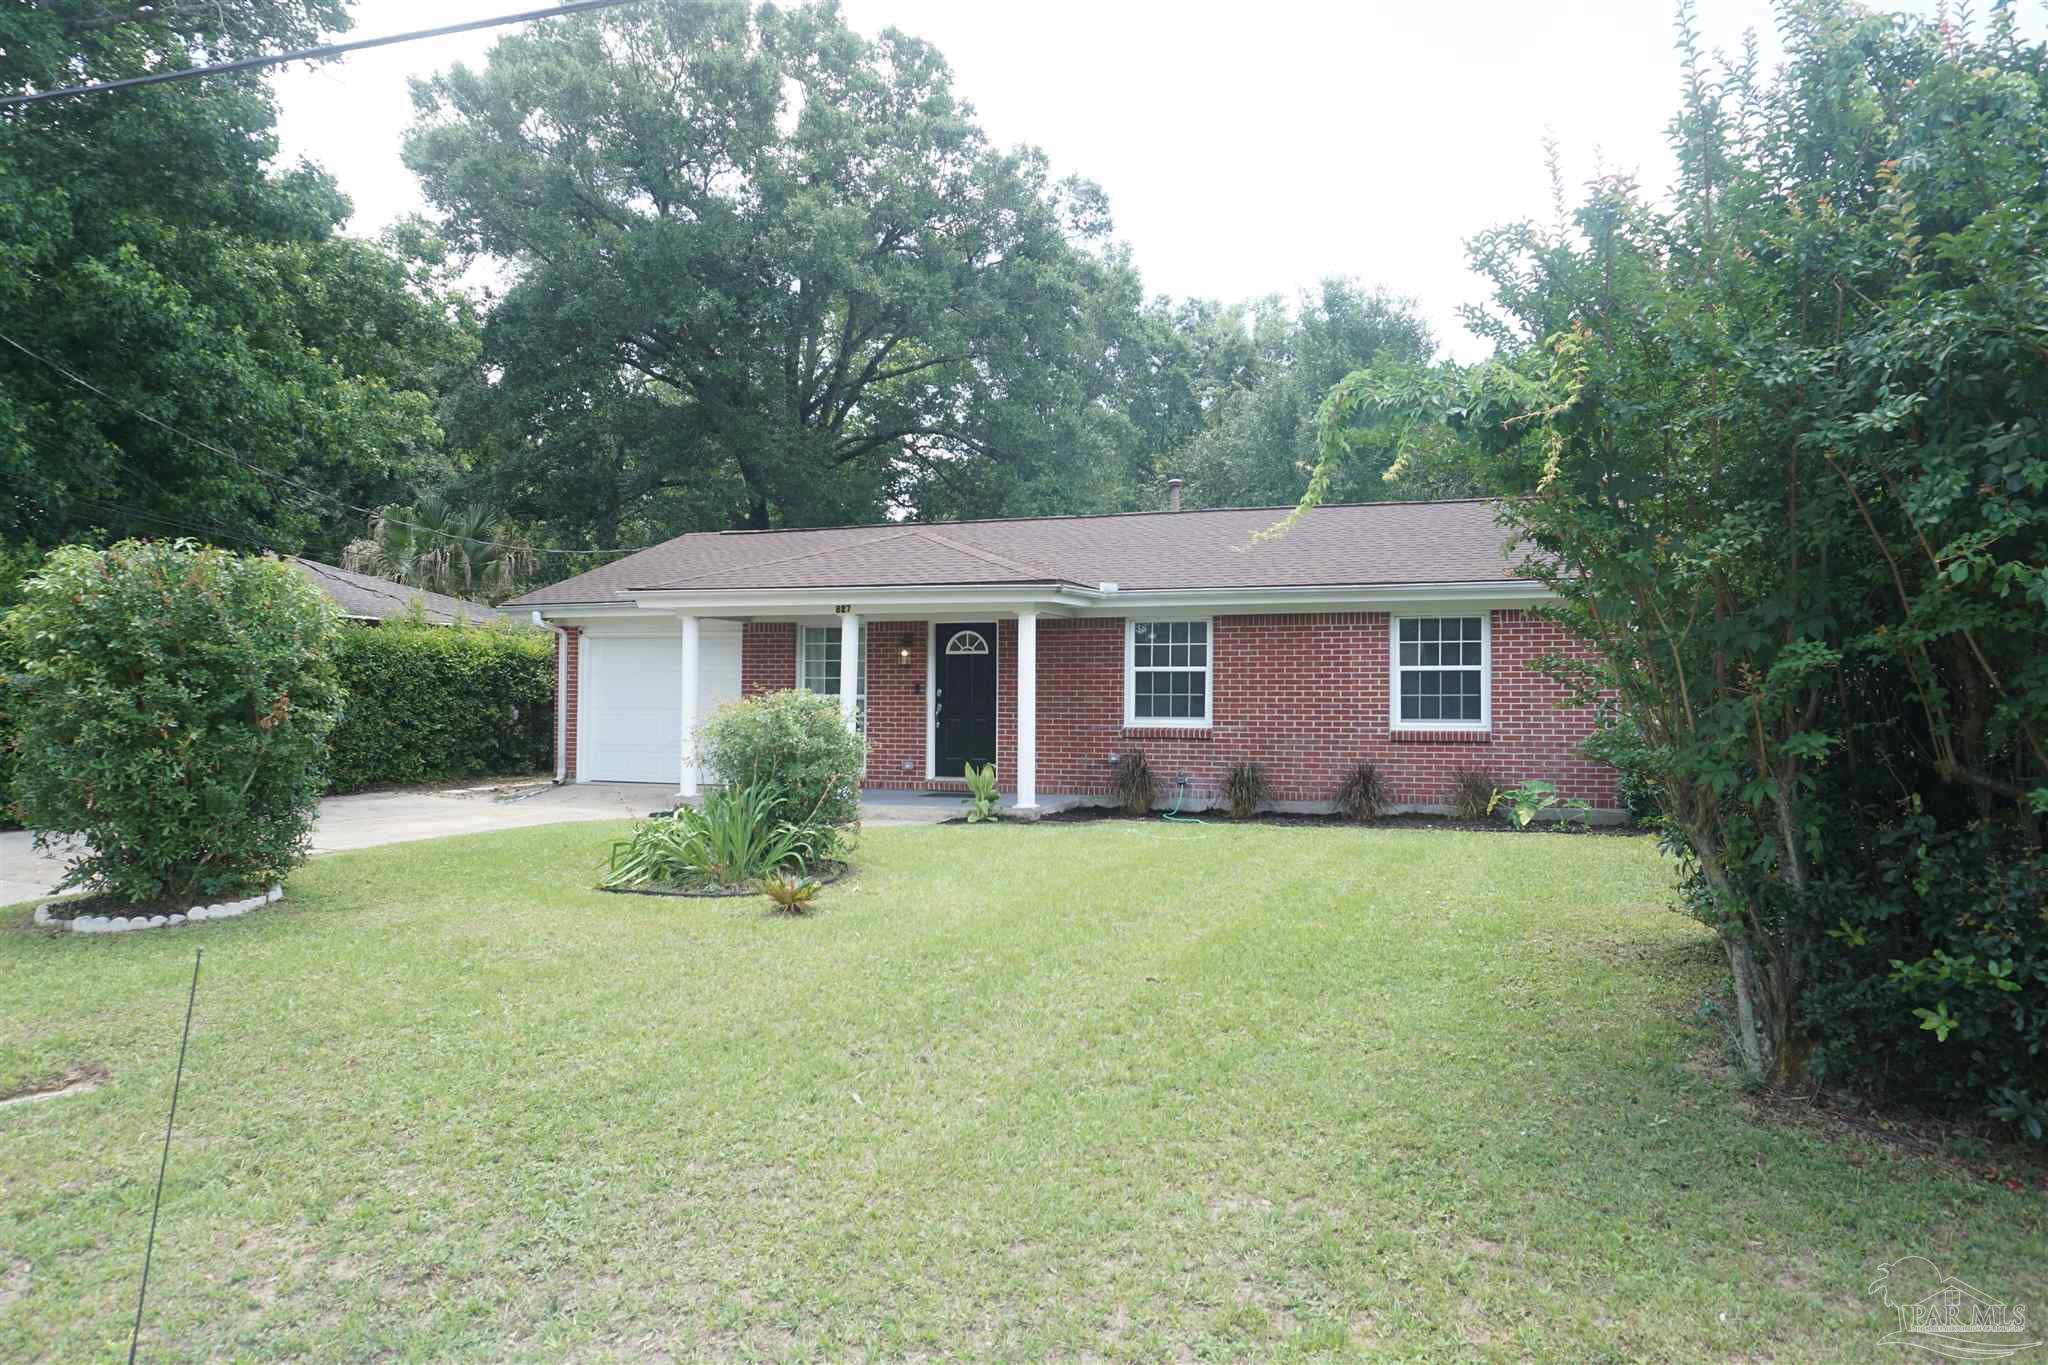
(198, 914)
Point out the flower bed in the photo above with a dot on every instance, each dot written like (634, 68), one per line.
(121, 924)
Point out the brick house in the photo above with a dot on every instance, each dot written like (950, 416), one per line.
(1395, 632)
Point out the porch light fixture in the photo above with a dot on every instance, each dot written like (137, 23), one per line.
(903, 648)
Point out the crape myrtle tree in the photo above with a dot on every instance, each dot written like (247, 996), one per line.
(782, 248)
(1779, 446)
(150, 247)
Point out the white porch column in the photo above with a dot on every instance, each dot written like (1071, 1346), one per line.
(849, 666)
(1027, 711)
(692, 640)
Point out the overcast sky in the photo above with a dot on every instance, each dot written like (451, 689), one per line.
(1247, 149)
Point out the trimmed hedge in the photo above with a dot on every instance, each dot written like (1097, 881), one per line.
(429, 703)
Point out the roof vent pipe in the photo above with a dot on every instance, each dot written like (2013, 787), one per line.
(1173, 495)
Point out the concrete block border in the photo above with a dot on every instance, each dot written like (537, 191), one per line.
(118, 924)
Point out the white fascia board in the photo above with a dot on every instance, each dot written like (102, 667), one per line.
(1064, 600)
(827, 602)
(570, 613)
(1376, 596)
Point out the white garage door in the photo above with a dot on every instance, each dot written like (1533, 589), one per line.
(629, 694)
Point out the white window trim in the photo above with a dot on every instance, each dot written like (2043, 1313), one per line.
(1132, 720)
(1485, 722)
(860, 682)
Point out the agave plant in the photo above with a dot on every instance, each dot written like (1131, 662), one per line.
(792, 893)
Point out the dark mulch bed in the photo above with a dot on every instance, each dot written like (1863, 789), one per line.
(824, 875)
(1088, 814)
(114, 907)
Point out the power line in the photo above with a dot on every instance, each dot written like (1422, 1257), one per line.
(312, 53)
(306, 488)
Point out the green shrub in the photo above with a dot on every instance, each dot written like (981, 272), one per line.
(174, 716)
(428, 703)
(796, 744)
(1471, 796)
(1363, 794)
(1617, 742)
(1136, 789)
(1927, 974)
(1246, 789)
(12, 680)
(738, 835)
(982, 797)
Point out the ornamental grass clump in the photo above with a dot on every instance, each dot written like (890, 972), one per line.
(1245, 788)
(173, 706)
(1136, 789)
(1363, 794)
(737, 837)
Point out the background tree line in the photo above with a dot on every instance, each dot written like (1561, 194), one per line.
(756, 270)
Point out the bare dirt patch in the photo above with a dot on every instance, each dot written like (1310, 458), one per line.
(76, 1081)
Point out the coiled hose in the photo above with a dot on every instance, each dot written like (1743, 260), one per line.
(1180, 796)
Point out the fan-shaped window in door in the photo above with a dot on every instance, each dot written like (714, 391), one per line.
(967, 642)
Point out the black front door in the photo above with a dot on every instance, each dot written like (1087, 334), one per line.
(966, 697)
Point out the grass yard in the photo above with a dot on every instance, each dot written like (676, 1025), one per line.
(1109, 1091)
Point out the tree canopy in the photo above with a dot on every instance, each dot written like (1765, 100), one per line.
(149, 251)
(781, 254)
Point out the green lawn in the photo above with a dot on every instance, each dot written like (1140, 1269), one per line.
(1107, 1091)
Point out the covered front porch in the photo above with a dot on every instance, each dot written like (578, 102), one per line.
(932, 694)
(936, 678)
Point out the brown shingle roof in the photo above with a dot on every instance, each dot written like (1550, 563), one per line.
(1382, 543)
(367, 597)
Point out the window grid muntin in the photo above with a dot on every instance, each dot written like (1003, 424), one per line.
(1441, 671)
(1169, 673)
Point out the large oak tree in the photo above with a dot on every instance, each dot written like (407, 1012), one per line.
(765, 270)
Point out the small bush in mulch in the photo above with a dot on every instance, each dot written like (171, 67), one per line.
(1446, 823)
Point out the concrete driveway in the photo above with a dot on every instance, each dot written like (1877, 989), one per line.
(400, 817)
(391, 818)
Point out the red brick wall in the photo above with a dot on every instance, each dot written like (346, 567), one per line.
(566, 705)
(896, 701)
(1306, 695)
(767, 658)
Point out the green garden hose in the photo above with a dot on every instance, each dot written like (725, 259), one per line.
(1180, 794)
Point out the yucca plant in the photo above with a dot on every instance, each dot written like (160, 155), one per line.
(982, 798)
(792, 893)
(1246, 789)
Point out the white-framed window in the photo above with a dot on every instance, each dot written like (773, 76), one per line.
(1442, 672)
(817, 667)
(1168, 667)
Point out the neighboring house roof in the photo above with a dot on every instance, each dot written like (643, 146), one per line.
(1380, 543)
(365, 598)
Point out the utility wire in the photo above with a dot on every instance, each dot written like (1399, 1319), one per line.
(306, 488)
(311, 53)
